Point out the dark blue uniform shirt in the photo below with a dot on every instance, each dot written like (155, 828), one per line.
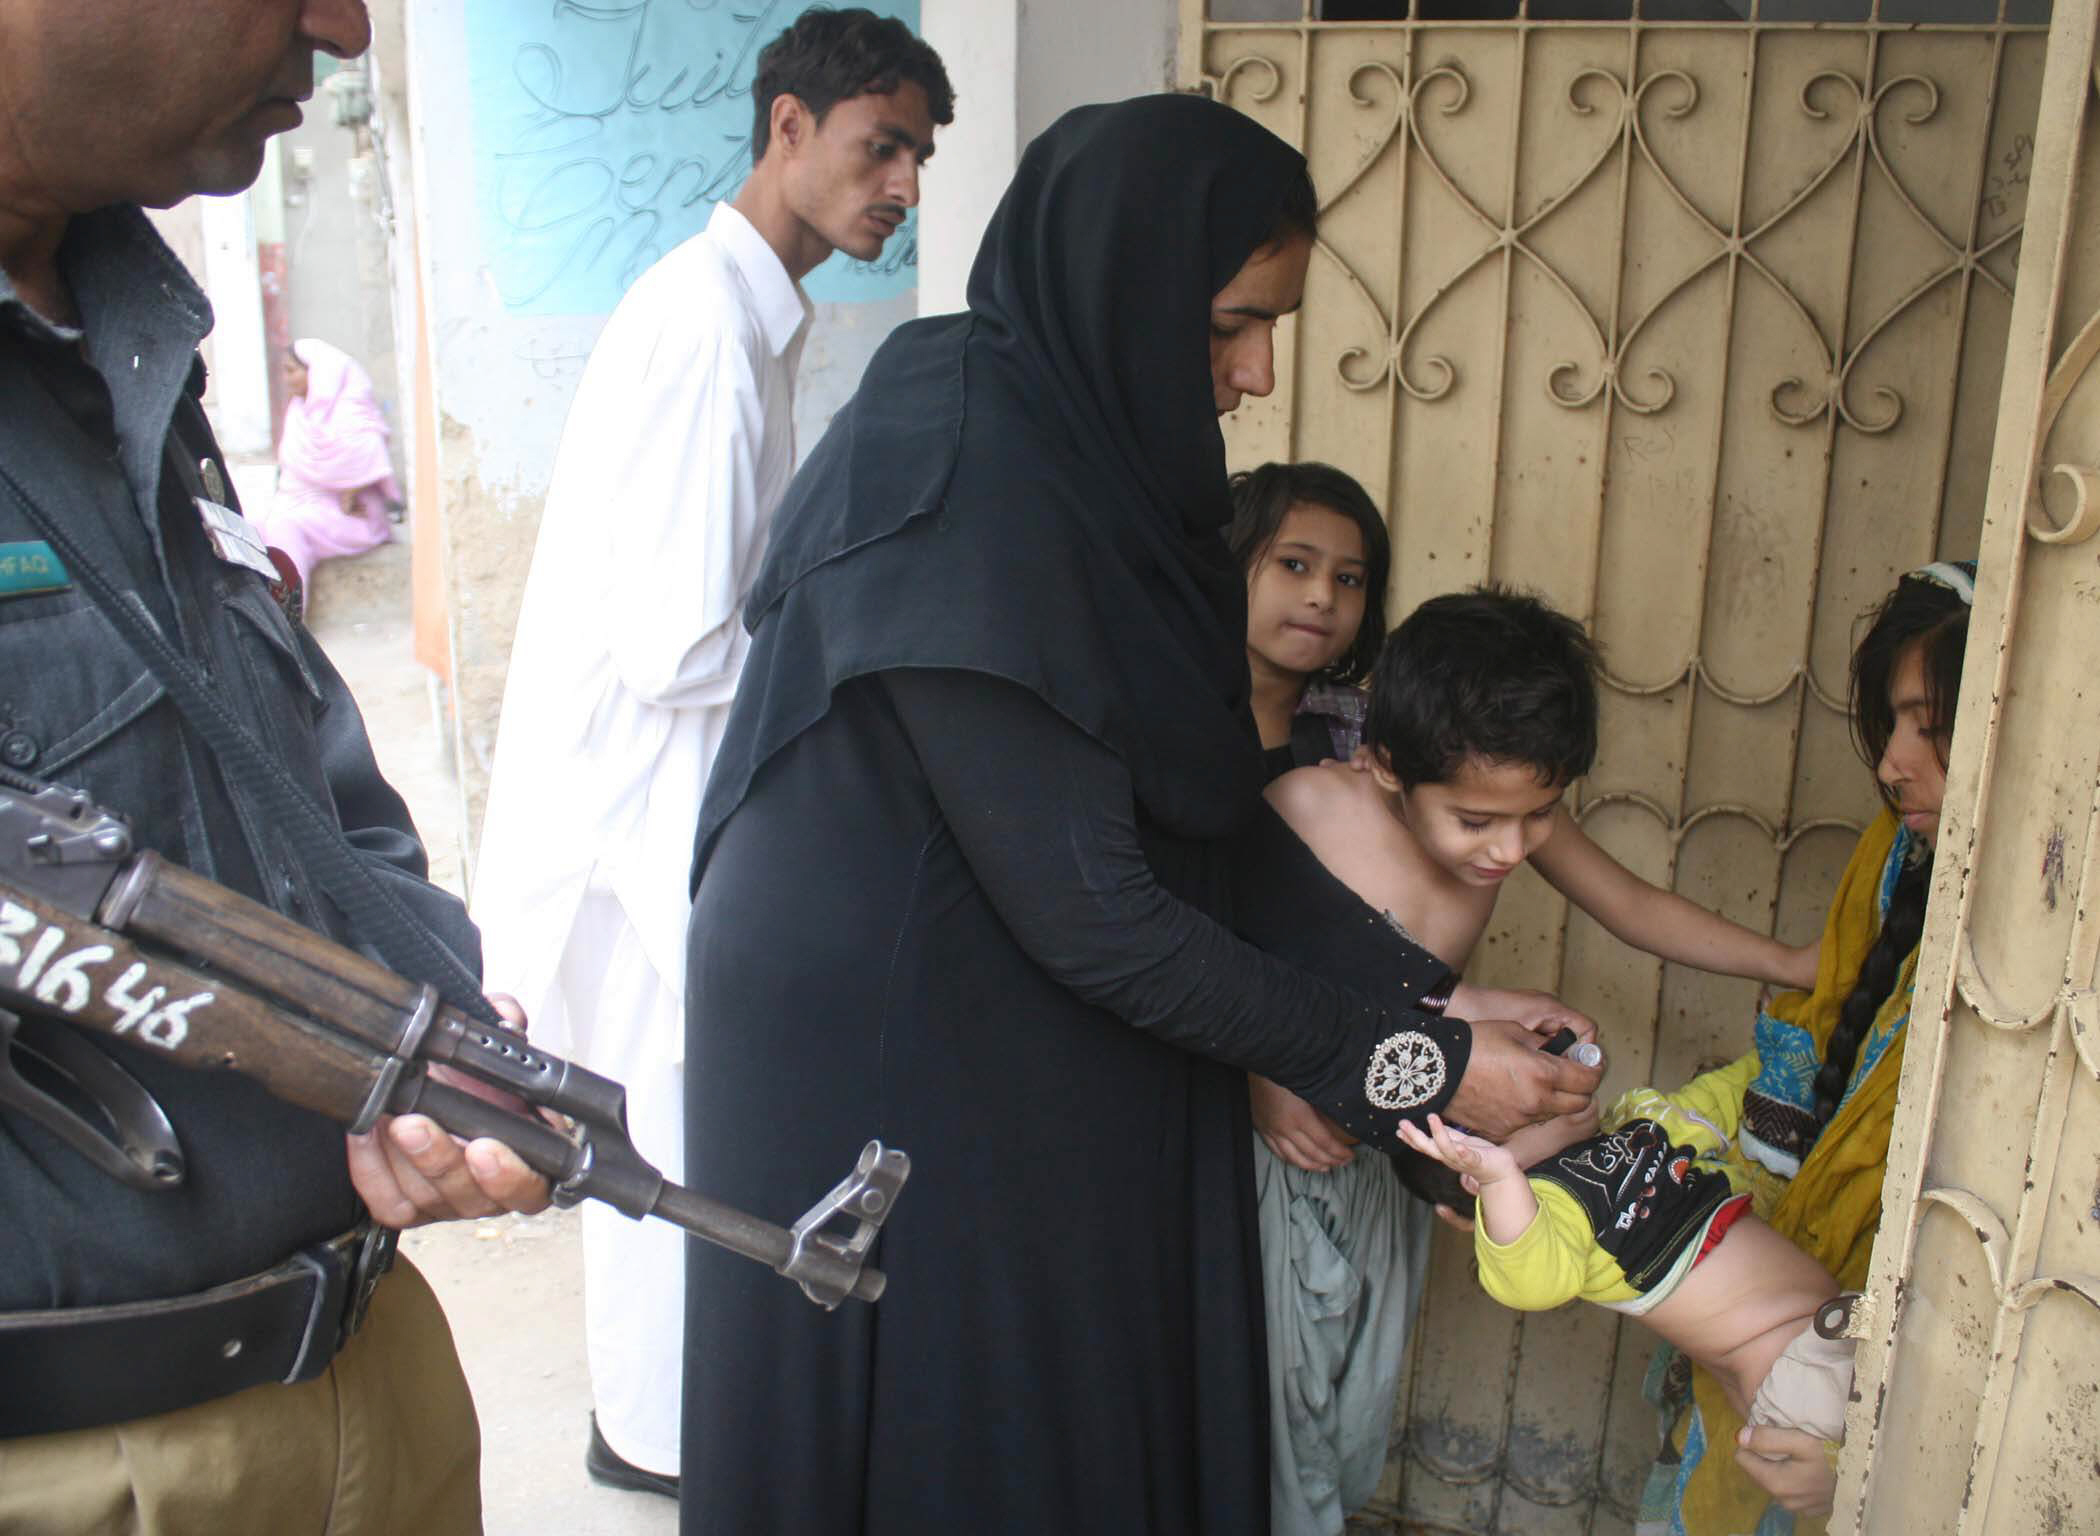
(101, 427)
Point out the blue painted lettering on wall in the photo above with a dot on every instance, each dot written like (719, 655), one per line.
(605, 133)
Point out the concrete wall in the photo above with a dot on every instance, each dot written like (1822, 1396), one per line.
(1017, 66)
(214, 237)
(503, 380)
(502, 376)
(337, 284)
(1075, 53)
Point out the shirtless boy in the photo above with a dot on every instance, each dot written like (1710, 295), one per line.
(1483, 711)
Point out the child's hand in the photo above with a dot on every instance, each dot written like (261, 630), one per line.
(1453, 1220)
(1296, 1132)
(1540, 1012)
(1475, 1159)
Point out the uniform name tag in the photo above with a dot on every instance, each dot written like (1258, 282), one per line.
(233, 541)
(31, 567)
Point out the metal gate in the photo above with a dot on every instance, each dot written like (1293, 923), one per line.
(1978, 1382)
(1698, 329)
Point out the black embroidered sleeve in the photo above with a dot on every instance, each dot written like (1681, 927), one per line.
(1044, 815)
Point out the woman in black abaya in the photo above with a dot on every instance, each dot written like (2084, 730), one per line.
(964, 880)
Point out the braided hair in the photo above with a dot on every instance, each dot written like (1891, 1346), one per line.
(1926, 615)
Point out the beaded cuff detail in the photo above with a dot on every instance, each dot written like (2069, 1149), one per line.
(1407, 1070)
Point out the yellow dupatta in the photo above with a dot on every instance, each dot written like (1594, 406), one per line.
(1831, 1209)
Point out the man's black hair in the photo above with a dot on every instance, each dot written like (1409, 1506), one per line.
(828, 56)
(1492, 674)
(1261, 497)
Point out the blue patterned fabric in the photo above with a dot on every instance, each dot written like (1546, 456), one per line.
(1787, 1062)
(1667, 1387)
(1779, 1121)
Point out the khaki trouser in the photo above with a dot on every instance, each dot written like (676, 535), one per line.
(384, 1442)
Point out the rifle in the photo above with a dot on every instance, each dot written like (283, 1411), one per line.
(90, 932)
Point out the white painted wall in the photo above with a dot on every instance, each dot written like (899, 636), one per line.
(240, 361)
(978, 41)
(1018, 65)
(504, 378)
(1073, 53)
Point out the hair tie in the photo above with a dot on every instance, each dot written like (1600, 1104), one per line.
(1957, 576)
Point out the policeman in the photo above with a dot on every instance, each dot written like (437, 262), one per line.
(192, 1359)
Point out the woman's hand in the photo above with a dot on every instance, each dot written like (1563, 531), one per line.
(1296, 1132)
(1794, 1468)
(1509, 1082)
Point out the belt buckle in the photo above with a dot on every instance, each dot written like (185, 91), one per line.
(374, 1257)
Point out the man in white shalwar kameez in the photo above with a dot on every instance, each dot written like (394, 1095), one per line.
(678, 448)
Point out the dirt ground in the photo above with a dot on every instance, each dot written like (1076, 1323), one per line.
(511, 1287)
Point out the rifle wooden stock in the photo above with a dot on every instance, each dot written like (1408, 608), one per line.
(345, 1038)
(246, 939)
(53, 963)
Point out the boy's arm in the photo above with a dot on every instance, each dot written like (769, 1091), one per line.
(678, 475)
(1659, 921)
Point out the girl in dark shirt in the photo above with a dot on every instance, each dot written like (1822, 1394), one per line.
(1316, 557)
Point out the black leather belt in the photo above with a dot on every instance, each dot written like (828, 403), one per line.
(80, 1367)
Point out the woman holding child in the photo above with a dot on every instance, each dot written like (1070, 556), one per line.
(962, 877)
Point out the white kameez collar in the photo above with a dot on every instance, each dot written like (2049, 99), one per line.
(783, 308)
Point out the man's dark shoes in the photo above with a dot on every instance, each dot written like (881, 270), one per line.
(607, 1468)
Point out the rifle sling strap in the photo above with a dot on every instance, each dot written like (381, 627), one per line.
(376, 914)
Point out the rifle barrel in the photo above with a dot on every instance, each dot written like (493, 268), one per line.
(761, 1240)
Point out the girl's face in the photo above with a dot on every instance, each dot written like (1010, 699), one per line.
(1305, 595)
(1912, 767)
(294, 375)
(1482, 822)
(1243, 317)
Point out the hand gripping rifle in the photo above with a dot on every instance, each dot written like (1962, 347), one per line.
(88, 935)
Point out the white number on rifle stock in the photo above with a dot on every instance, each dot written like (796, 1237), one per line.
(59, 975)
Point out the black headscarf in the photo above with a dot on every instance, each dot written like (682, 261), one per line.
(1035, 489)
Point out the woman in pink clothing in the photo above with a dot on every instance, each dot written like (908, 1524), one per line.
(335, 482)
